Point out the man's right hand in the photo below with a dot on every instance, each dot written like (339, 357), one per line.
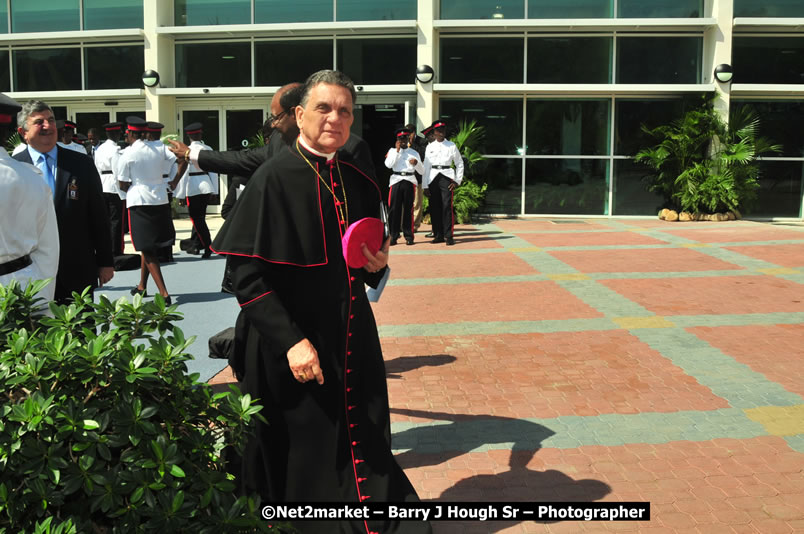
(303, 362)
(178, 148)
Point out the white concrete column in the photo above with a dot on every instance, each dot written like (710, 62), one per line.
(426, 54)
(717, 49)
(159, 56)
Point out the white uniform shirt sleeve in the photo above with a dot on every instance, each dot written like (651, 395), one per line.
(428, 166)
(412, 154)
(213, 176)
(458, 161)
(46, 254)
(392, 157)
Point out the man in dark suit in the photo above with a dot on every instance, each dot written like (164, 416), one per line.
(86, 247)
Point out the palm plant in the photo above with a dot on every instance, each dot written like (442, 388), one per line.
(468, 140)
(703, 164)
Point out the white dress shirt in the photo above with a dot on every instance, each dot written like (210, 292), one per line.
(400, 162)
(192, 183)
(106, 156)
(27, 224)
(142, 164)
(74, 146)
(442, 154)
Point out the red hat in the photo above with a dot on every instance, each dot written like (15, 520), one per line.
(368, 231)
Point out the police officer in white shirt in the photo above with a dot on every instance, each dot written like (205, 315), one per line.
(443, 172)
(154, 139)
(404, 163)
(29, 233)
(66, 131)
(197, 186)
(106, 156)
(140, 176)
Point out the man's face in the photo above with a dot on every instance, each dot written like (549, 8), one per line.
(67, 136)
(326, 119)
(439, 134)
(285, 123)
(41, 131)
(92, 138)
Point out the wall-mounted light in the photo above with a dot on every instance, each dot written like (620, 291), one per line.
(724, 73)
(425, 73)
(150, 78)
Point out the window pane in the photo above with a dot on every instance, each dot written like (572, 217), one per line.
(3, 17)
(44, 16)
(779, 194)
(211, 12)
(768, 8)
(268, 11)
(114, 67)
(502, 120)
(213, 65)
(277, 61)
(631, 195)
(659, 59)
(52, 69)
(104, 15)
(780, 122)
(482, 60)
(504, 179)
(659, 8)
(768, 60)
(376, 10)
(568, 127)
(631, 115)
(5, 77)
(572, 186)
(569, 9)
(367, 61)
(482, 9)
(569, 60)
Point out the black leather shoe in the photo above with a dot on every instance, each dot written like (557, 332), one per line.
(408, 241)
(168, 302)
(393, 242)
(429, 234)
(207, 254)
(193, 250)
(136, 291)
(438, 240)
(450, 241)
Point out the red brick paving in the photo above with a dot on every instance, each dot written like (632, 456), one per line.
(776, 351)
(712, 295)
(693, 485)
(507, 301)
(537, 375)
(641, 261)
(736, 234)
(466, 236)
(458, 265)
(590, 239)
(781, 255)
(546, 225)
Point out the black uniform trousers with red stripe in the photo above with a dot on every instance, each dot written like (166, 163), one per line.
(441, 210)
(400, 209)
(197, 208)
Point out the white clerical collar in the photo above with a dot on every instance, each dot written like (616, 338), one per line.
(314, 151)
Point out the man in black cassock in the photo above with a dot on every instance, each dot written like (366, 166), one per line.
(312, 352)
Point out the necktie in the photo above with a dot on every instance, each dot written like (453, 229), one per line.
(44, 165)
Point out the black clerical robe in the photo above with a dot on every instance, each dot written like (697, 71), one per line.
(322, 443)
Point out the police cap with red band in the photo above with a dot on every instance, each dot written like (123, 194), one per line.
(8, 110)
(113, 126)
(136, 124)
(193, 128)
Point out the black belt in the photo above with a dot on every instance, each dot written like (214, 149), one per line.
(198, 173)
(404, 174)
(165, 176)
(107, 172)
(15, 265)
(442, 166)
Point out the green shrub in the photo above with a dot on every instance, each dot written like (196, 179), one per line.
(103, 430)
(468, 198)
(702, 164)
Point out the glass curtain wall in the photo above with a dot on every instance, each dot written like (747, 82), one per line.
(5, 72)
(224, 64)
(215, 12)
(105, 15)
(768, 8)
(571, 9)
(66, 15)
(768, 60)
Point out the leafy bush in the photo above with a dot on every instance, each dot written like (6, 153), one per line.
(101, 428)
(468, 198)
(703, 164)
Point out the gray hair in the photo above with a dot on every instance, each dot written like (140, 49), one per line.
(332, 77)
(31, 106)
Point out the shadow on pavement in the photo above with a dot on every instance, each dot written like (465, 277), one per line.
(404, 364)
(210, 296)
(439, 443)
